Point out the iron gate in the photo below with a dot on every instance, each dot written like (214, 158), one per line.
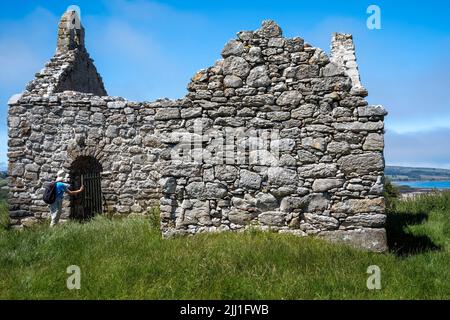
(92, 194)
(86, 171)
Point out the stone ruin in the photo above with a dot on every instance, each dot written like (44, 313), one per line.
(276, 135)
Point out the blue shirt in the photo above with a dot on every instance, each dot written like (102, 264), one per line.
(61, 187)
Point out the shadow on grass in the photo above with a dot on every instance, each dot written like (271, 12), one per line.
(400, 241)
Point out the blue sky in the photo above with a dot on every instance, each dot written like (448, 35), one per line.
(149, 49)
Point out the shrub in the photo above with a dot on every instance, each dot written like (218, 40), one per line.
(391, 194)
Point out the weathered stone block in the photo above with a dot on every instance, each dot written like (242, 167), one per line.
(266, 201)
(269, 29)
(281, 176)
(278, 115)
(317, 202)
(273, 218)
(369, 111)
(167, 114)
(355, 206)
(215, 191)
(241, 217)
(276, 42)
(282, 145)
(292, 98)
(226, 173)
(304, 111)
(374, 142)
(314, 143)
(249, 179)
(32, 167)
(117, 104)
(321, 222)
(233, 48)
(339, 148)
(191, 112)
(322, 185)
(236, 66)
(232, 81)
(366, 220)
(361, 163)
(288, 204)
(366, 238)
(320, 170)
(359, 126)
(258, 77)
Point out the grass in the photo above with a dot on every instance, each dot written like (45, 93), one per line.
(4, 220)
(127, 259)
(3, 191)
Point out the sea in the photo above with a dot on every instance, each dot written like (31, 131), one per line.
(424, 184)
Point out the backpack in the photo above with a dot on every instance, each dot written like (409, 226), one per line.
(50, 193)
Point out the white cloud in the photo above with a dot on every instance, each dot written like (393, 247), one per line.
(411, 125)
(419, 149)
(17, 61)
(129, 61)
(417, 100)
(24, 47)
(133, 47)
(407, 71)
(147, 11)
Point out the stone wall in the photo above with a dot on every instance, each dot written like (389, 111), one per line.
(276, 135)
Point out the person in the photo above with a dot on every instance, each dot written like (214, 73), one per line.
(61, 187)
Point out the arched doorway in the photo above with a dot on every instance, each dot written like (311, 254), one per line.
(86, 170)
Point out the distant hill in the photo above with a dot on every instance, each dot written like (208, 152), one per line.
(408, 173)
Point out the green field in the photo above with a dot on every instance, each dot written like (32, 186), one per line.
(127, 259)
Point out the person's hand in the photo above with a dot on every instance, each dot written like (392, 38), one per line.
(82, 188)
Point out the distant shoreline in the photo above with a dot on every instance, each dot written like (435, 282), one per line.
(421, 186)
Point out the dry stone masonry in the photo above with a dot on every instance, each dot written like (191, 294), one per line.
(276, 135)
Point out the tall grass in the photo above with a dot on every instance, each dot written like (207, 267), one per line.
(3, 183)
(4, 215)
(427, 218)
(425, 203)
(127, 258)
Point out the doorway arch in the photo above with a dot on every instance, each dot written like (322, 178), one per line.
(86, 170)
